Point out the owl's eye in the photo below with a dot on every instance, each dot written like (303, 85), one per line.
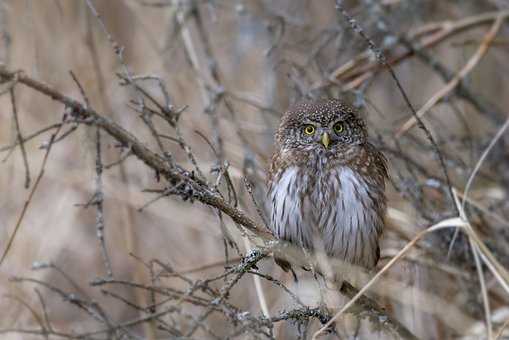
(338, 127)
(309, 130)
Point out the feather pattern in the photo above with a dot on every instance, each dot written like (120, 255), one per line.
(337, 208)
(328, 197)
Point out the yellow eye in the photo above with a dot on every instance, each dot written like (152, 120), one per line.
(338, 127)
(309, 129)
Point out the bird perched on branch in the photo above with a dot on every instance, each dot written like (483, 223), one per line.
(327, 183)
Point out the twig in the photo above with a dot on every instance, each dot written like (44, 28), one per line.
(30, 196)
(119, 50)
(91, 308)
(249, 189)
(38, 265)
(98, 200)
(474, 173)
(31, 136)
(258, 285)
(121, 159)
(19, 138)
(484, 291)
(279, 284)
(247, 264)
(479, 163)
(207, 266)
(501, 330)
(35, 315)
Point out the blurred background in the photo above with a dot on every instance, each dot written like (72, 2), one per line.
(233, 67)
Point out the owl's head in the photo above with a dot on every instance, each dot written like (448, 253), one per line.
(324, 126)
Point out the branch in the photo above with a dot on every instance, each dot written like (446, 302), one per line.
(200, 191)
(369, 308)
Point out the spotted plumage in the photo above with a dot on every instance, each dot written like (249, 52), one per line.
(327, 182)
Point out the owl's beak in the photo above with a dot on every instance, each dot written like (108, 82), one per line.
(325, 140)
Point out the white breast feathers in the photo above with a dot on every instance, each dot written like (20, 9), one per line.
(331, 209)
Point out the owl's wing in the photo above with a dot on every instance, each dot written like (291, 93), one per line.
(377, 164)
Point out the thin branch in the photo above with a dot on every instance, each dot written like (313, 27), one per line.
(31, 136)
(30, 197)
(98, 195)
(99, 203)
(19, 138)
(479, 163)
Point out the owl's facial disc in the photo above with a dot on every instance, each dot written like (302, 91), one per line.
(326, 129)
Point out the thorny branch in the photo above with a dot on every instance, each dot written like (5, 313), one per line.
(173, 174)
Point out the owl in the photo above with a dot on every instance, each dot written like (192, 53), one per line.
(326, 184)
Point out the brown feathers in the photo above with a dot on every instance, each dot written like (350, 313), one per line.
(325, 195)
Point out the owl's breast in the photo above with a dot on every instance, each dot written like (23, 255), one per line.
(334, 208)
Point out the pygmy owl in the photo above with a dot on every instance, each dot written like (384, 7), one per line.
(327, 183)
